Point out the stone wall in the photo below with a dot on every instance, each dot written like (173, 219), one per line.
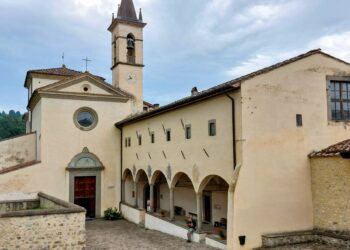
(57, 231)
(54, 225)
(17, 151)
(330, 190)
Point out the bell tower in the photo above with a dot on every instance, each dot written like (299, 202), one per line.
(127, 51)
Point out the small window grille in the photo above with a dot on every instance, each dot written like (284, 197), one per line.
(168, 135)
(152, 138)
(140, 140)
(188, 132)
(299, 120)
(212, 128)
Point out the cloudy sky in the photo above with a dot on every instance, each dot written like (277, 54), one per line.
(187, 42)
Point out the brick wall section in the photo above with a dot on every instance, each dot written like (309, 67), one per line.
(331, 193)
(17, 151)
(56, 231)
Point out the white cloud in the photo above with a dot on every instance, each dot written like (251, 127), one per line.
(229, 24)
(334, 44)
(337, 45)
(251, 65)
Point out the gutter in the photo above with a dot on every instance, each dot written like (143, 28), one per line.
(234, 153)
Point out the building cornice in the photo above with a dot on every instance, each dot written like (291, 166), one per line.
(73, 96)
(124, 21)
(129, 64)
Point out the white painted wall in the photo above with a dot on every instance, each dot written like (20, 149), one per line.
(185, 198)
(219, 199)
(133, 215)
(129, 188)
(164, 197)
(158, 224)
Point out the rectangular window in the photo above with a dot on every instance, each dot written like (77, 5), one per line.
(212, 128)
(299, 120)
(340, 100)
(168, 135)
(140, 140)
(129, 142)
(188, 132)
(152, 138)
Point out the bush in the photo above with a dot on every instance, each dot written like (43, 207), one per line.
(113, 214)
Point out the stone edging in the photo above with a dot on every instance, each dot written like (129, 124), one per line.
(130, 206)
(18, 167)
(68, 208)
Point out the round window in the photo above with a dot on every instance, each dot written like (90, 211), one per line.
(85, 119)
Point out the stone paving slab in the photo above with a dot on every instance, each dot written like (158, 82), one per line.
(123, 235)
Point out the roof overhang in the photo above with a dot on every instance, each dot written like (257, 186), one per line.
(179, 104)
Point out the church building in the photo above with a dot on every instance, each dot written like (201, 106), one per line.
(237, 156)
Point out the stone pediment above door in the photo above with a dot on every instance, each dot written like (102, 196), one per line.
(85, 161)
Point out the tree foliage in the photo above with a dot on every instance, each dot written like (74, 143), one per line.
(11, 124)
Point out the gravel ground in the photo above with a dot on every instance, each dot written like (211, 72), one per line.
(123, 235)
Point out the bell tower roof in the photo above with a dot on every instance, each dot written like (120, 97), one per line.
(127, 11)
(127, 14)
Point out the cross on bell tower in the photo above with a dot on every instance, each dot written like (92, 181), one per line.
(127, 51)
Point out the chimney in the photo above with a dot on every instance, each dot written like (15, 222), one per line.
(156, 106)
(194, 91)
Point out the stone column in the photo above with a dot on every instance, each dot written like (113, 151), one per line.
(199, 211)
(123, 191)
(151, 194)
(171, 197)
(136, 195)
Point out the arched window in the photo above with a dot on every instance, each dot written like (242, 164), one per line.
(131, 49)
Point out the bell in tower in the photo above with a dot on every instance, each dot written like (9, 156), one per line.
(131, 43)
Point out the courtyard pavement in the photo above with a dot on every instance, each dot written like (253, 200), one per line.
(123, 235)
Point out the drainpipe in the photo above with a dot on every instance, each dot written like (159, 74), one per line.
(233, 131)
(121, 168)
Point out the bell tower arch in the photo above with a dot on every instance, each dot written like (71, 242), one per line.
(127, 51)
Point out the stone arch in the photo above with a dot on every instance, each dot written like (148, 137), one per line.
(155, 176)
(127, 172)
(177, 177)
(141, 174)
(209, 178)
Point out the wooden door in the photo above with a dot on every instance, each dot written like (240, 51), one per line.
(85, 194)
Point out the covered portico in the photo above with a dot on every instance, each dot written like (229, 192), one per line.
(168, 204)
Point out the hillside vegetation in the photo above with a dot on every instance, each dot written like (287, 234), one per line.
(11, 124)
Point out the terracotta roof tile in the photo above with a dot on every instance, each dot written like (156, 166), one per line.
(334, 150)
(61, 71)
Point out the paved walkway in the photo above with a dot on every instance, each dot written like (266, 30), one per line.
(123, 235)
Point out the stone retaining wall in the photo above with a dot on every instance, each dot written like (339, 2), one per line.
(54, 225)
(330, 193)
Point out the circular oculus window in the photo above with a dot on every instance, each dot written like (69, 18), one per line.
(85, 119)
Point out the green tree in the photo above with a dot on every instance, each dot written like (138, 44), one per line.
(11, 124)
